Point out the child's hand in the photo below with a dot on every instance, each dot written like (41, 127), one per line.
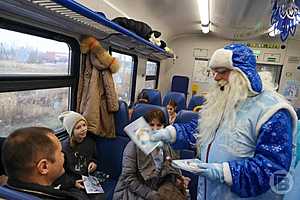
(186, 181)
(79, 184)
(92, 167)
(183, 181)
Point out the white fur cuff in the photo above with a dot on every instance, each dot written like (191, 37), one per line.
(227, 173)
(172, 131)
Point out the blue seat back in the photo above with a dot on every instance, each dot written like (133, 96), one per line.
(110, 155)
(178, 97)
(196, 101)
(185, 116)
(154, 96)
(15, 195)
(298, 112)
(141, 109)
(121, 119)
(180, 84)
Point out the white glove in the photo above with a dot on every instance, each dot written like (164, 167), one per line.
(164, 135)
(212, 171)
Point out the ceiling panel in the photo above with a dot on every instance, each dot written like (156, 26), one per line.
(231, 19)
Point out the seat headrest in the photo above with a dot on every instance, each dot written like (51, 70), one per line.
(196, 101)
(154, 96)
(185, 116)
(141, 109)
(178, 97)
(121, 118)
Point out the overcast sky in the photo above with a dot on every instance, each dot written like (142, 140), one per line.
(24, 40)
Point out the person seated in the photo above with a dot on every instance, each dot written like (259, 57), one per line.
(32, 159)
(141, 98)
(171, 107)
(3, 177)
(149, 177)
(80, 153)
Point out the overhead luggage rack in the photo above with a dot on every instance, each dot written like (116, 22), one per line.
(71, 17)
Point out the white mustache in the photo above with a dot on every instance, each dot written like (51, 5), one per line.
(222, 83)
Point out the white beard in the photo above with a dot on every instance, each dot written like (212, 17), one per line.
(221, 106)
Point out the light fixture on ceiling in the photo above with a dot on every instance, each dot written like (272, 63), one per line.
(203, 8)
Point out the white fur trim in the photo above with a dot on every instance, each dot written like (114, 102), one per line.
(273, 110)
(172, 132)
(227, 173)
(247, 79)
(222, 58)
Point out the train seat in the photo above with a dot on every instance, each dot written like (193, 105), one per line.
(185, 116)
(195, 101)
(109, 161)
(189, 154)
(178, 97)
(141, 109)
(180, 84)
(8, 193)
(121, 118)
(154, 96)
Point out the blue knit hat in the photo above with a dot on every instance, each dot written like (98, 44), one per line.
(241, 58)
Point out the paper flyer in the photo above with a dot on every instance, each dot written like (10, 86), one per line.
(191, 165)
(139, 132)
(92, 185)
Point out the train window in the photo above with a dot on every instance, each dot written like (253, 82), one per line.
(38, 76)
(32, 108)
(152, 73)
(124, 77)
(24, 54)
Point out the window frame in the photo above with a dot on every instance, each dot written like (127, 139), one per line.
(153, 77)
(14, 83)
(134, 73)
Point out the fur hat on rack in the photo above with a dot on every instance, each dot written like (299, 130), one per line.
(89, 43)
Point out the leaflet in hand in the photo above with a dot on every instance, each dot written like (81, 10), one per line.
(92, 185)
(191, 165)
(139, 132)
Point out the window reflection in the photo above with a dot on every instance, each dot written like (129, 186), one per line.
(32, 108)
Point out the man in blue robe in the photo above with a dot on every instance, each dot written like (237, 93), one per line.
(245, 135)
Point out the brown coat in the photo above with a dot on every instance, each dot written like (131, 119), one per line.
(97, 97)
(139, 179)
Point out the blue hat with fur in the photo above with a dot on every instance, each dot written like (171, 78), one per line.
(241, 58)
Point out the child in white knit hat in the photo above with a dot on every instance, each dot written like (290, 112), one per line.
(79, 150)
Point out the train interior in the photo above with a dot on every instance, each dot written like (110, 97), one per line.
(41, 62)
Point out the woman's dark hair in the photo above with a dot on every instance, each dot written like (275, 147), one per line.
(172, 103)
(156, 114)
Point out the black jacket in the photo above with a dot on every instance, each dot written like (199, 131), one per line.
(77, 160)
(43, 192)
